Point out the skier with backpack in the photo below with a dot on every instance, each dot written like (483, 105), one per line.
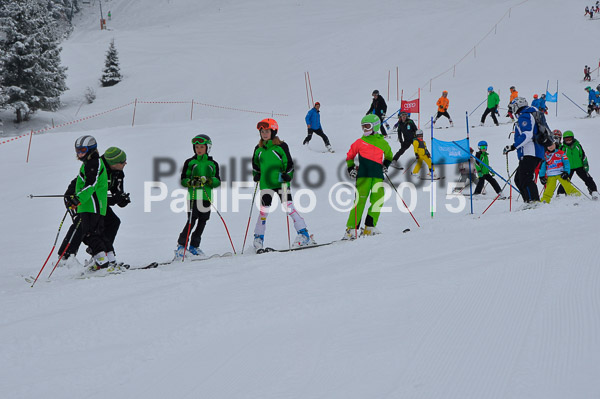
(374, 155)
(529, 150)
(273, 170)
(578, 163)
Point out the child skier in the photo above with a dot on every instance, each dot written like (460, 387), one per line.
(578, 163)
(483, 172)
(443, 104)
(422, 154)
(374, 155)
(90, 199)
(555, 168)
(273, 169)
(466, 174)
(200, 174)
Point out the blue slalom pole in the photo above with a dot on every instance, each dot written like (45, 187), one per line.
(573, 103)
(470, 173)
(478, 107)
(486, 165)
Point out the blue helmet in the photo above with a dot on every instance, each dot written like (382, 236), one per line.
(482, 143)
(491, 88)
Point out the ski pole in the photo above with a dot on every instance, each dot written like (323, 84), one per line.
(223, 220)
(284, 197)
(578, 189)
(48, 196)
(409, 166)
(478, 107)
(249, 217)
(187, 237)
(498, 196)
(574, 103)
(510, 195)
(394, 187)
(65, 250)
(53, 247)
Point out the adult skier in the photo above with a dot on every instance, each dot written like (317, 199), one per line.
(200, 174)
(90, 199)
(273, 169)
(313, 124)
(378, 108)
(374, 156)
(529, 152)
(443, 104)
(406, 134)
(578, 163)
(493, 101)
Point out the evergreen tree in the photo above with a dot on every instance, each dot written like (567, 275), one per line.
(30, 69)
(111, 74)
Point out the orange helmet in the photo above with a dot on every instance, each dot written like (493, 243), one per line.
(268, 123)
(445, 92)
(535, 96)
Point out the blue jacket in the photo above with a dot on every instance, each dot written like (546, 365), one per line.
(525, 130)
(536, 103)
(592, 96)
(313, 118)
(541, 104)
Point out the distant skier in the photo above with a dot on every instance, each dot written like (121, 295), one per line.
(536, 101)
(513, 94)
(493, 101)
(375, 155)
(443, 104)
(466, 174)
(313, 124)
(379, 108)
(273, 170)
(542, 104)
(587, 77)
(578, 163)
(529, 152)
(587, 11)
(406, 134)
(555, 169)
(483, 172)
(593, 101)
(200, 174)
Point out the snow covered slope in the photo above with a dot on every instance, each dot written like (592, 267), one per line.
(503, 305)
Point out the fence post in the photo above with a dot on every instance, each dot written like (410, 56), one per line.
(134, 108)
(29, 146)
(192, 111)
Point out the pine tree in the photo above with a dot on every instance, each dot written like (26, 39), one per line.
(111, 73)
(30, 69)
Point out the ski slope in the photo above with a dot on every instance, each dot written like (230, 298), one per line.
(500, 305)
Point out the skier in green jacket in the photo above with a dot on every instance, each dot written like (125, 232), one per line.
(483, 172)
(374, 156)
(200, 174)
(578, 162)
(493, 101)
(273, 170)
(90, 199)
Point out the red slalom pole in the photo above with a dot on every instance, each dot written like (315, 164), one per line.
(63, 252)
(53, 247)
(311, 94)
(29, 147)
(394, 187)
(223, 220)
(306, 86)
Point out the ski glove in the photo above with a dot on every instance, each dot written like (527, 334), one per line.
(543, 180)
(284, 177)
(508, 149)
(417, 156)
(73, 201)
(124, 200)
(195, 182)
(385, 169)
(256, 177)
(353, 172)
(564, 175)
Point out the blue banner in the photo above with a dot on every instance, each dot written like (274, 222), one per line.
(551, 98)
(447, 153)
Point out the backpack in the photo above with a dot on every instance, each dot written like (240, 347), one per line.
(544, 135)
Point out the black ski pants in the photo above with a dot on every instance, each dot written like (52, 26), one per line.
(382, 126)
(492, 111)
(445, 113)
(403, 147)
(111, 227)
(583, 175)
(92, 229)
(524, 178)
(77, 237)
(490, 180)
(318, 132)
(200, 214)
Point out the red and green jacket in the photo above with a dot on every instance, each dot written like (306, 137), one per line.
(197, 166)
(373, 152)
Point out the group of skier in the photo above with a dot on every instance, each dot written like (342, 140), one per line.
(591, 10)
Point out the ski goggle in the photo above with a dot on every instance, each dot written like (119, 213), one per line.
(367, 126)
(81, 150)
(200, 140)
(483, 147)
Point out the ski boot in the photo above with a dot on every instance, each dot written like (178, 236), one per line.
(196, 251)
(179, 252)
(329, 148)
(303, 239)
(350, 234)
(370, 231)
(451, 124)
(595, 195)
(258, 242)
(100, 262)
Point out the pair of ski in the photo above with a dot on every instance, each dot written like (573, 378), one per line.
(154, 265)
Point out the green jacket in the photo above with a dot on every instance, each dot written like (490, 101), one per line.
(576, 155)
(373, 152)
(269, 161)
(493, 100)
(91, 186)
(482, 170)
(197, 166)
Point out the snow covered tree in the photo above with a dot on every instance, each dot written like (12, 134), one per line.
(111, 74)
(30, 69)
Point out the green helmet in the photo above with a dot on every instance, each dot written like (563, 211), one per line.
(202, 139)
(373, 120)
(588, 88)
(567, 134)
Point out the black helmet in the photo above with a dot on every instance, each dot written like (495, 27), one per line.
(375, 92)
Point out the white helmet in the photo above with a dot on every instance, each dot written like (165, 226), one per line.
(517, 104)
